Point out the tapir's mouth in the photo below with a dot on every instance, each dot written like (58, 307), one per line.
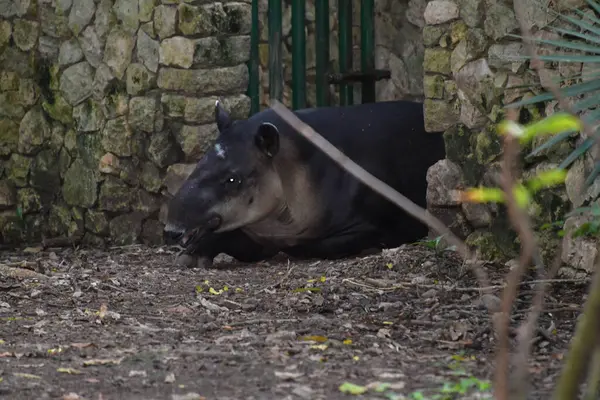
(199, 232)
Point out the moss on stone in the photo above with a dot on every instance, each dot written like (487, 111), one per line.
(96, 222)
(457, 140)
(437, 61)
(458, 31)
(472, 170)
(9, 136)
(486, 145)
(433, 86)
(89, 148)
(12, 228)
(80, 185)
(432, 34)
(485, 245)
(115, 195)
(59, 219)
(70, 141)
(59, 109)
(29, 200)
(9, 80)
(76, 226)
(18, 169)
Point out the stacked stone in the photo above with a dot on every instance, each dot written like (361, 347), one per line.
(471, 70)
(104, 108)
(398, 48)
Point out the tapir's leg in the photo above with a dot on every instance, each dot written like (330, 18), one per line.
(234, 243)
(345, 243)
(241, 247)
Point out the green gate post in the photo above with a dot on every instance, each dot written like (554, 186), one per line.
(253, 84)
(298, 55)
(322, 50)
(345, 48)
(367, 55)
(275, 49)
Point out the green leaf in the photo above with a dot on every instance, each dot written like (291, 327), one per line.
(554, 124)
(578, 152)
(594, 39)
(584, 104)
(551, 142)
(594, 5)
(351, 388)
(564, 44)
(592, 176)
(578, 22)
(574, 90)
(546, 179)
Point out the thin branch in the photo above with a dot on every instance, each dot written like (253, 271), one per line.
(379, 186)
(520, 222)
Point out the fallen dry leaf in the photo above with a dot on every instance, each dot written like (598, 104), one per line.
(285, 375)
(82, 345)
(71, 371)
(103, 309)
(27, 376)
(103, 361)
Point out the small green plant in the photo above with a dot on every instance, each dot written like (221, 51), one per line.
(591, 227)
(435, 245)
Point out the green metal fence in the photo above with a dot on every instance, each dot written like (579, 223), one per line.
(366, 76)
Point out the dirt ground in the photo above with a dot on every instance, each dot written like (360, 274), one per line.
(127, 324)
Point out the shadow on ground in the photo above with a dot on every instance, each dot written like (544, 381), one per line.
(127, 324)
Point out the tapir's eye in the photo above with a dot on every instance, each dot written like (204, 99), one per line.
(233, 181)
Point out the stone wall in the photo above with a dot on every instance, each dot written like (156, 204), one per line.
(105, 105)
(470, 73)
(398, 48)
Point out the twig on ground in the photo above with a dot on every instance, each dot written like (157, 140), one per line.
(261, 321)
(379, 186)
(453, 288)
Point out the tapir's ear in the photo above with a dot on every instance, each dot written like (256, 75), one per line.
(267, 139)
(222, 117)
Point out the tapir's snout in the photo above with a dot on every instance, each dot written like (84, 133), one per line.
(172, 235)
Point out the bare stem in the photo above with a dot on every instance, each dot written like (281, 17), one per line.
(521, 223)
(586, 336)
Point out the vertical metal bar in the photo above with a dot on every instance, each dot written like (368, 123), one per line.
(345, 48)
(298, 55)
(275, 51)
(254, 84)
(367, 55)
(322, 49)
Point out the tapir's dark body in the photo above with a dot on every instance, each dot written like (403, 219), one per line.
(388, 139)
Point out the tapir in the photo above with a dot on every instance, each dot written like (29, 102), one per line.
(263, 188)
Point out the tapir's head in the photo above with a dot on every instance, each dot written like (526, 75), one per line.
(233, 185)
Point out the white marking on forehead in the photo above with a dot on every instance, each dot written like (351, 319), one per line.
(217, 103)
(220, 151)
